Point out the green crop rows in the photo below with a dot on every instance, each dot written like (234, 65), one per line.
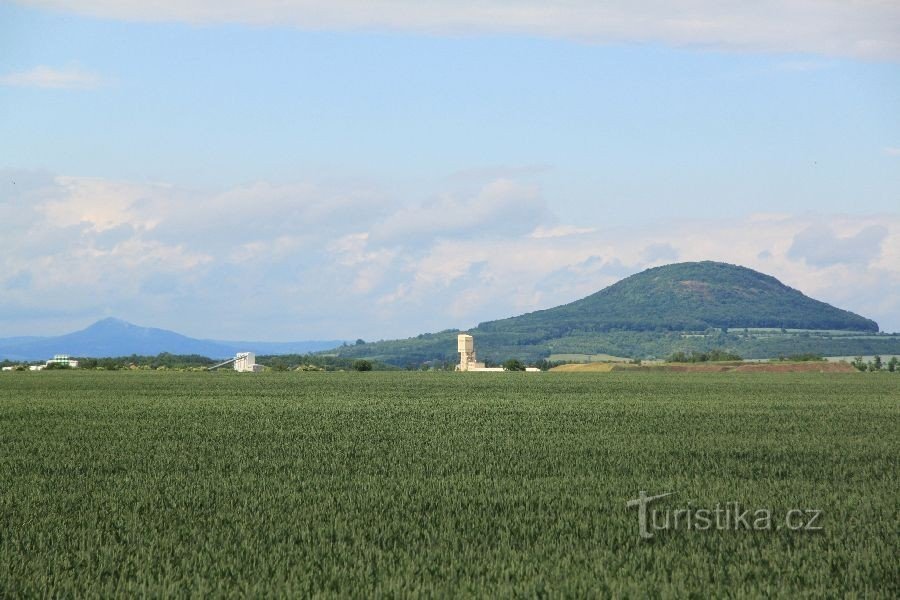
(402, 484)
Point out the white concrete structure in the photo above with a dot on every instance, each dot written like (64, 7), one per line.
(62, 359)
(465, 345)
(245, 362)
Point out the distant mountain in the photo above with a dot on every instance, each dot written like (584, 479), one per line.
(651, 314)
(114, 337)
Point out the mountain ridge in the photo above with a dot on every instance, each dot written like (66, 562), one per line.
(115, 337)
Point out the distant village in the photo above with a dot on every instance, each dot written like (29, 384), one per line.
(245, 362)
(63, 361)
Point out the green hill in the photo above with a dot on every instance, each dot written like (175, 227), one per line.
(686, 297)
(686, 306)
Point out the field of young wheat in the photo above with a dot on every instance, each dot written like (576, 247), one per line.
(303, 484)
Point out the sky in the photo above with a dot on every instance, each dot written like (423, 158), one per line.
(289, 170)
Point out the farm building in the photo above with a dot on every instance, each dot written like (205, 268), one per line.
(62, 359)
(465, 344)
(243, 362)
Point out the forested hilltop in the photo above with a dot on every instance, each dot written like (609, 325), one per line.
(680, 307)
(690, 296)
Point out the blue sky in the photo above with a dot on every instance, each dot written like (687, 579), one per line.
(291, 171)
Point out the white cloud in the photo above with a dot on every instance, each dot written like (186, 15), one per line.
(862, 28)
(500, 206)
(53, 78)
(302, 260)
(541, 232)
(103, 204)
(819, 245)
(803, 66)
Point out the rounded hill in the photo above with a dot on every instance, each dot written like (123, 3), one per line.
(691, 296)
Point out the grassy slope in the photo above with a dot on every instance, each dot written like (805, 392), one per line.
(349, 483)
(643, 315)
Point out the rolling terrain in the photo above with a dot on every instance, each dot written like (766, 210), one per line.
(681, 307)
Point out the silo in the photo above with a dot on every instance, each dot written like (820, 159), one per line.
(466, 347)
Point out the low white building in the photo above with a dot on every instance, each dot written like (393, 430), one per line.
(62, 359)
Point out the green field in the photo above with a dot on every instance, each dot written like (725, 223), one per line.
(585, 358)
(402, 484)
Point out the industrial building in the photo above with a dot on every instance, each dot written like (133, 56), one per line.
(244, 362)
(465, 344)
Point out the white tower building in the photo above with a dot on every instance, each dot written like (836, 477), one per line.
(466, 346)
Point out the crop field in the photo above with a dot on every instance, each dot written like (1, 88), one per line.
(406, 484)
(586, 358)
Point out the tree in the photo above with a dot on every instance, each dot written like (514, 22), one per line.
(544, 364)
(892, 364)
(362, 365)
(513, 364)
(877, 364)
(360, 342)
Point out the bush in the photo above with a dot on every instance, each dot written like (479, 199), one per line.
(711, 356)
(513, 364)
(362, 365)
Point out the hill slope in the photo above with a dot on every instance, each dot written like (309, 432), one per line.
(651, 313)
(114, 337)
(687, 297)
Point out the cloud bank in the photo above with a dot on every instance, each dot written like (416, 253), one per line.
(867, 29)
(53, 78)
(305, 260)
